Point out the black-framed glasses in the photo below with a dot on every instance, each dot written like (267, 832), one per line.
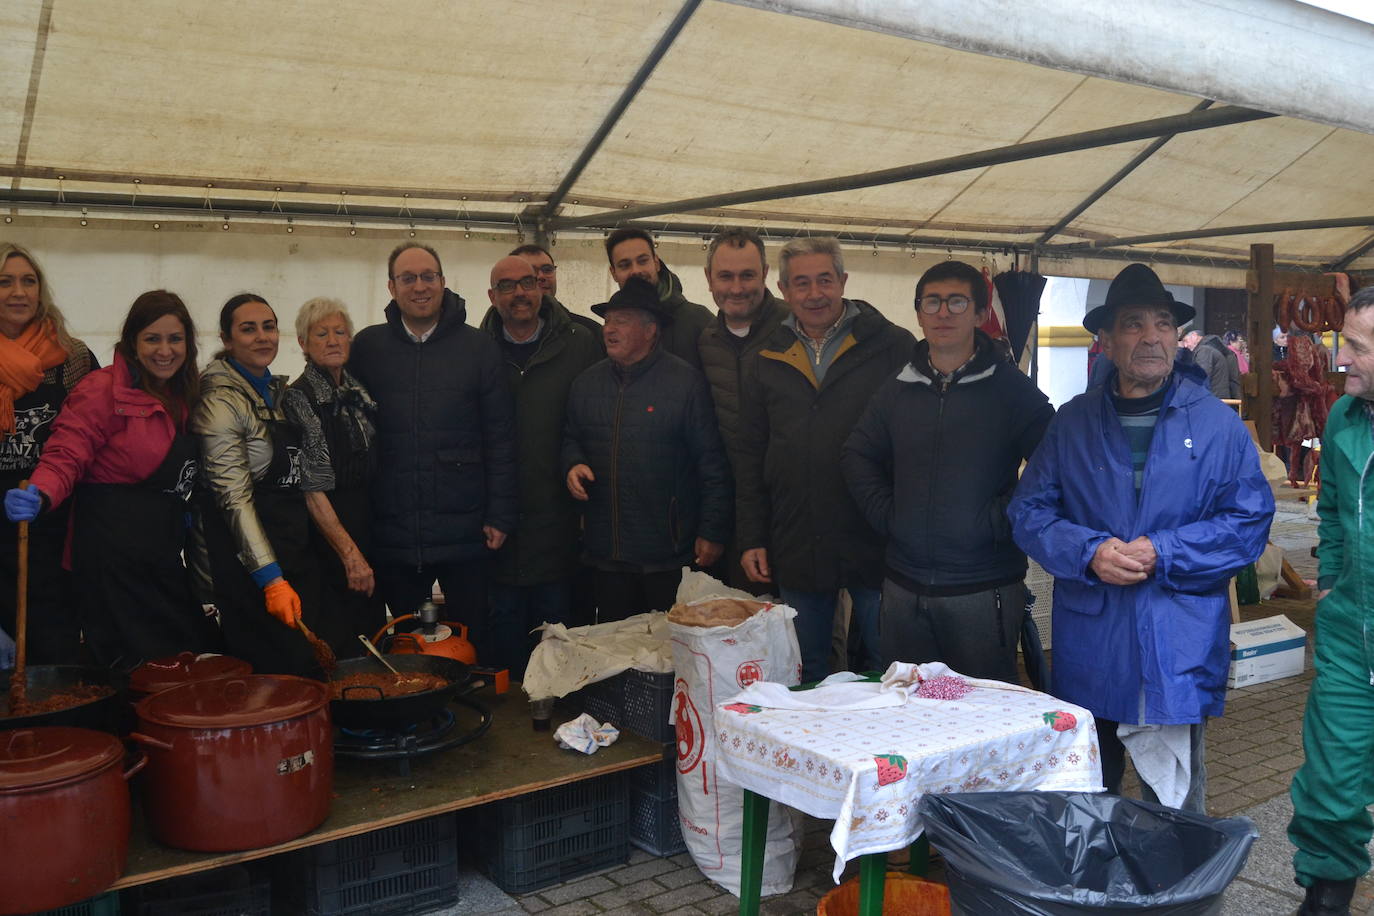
(957, 304)
(427, 277)
(547, 270)
(508, 286)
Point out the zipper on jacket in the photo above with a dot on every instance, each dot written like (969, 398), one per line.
(997, 617)
(615, 474)
(419, 499)
(932, 476)
(1359, 526)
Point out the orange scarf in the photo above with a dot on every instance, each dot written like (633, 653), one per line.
(23, 361)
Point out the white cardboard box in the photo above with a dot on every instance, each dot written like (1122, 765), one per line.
(1266, 650)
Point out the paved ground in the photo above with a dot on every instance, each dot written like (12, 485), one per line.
(1252, 754)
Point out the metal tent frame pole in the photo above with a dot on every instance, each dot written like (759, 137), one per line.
(1016, 152)
(627, 96)
(1217, 232)
(1136, 162)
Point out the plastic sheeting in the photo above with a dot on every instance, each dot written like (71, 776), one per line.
(486, 105)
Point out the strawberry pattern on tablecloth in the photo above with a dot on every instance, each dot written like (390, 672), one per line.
(844, 764)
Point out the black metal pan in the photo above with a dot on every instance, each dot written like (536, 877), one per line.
(363, 707)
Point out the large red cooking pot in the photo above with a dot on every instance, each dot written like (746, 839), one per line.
(64, 816)
(237, 763)
(165, 673)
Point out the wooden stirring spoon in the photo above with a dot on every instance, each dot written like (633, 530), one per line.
(18, 698)
(324, 656)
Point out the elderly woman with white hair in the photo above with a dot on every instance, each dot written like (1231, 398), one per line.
(336, 418)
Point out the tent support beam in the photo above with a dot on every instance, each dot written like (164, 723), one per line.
(1353, 255)
(43, 203)
(1136, 162)
(1016, 152)
(1298, 225)
(40, 50)
(627, 96)
(1259, 319)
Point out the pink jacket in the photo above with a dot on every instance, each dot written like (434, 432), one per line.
(107, 432)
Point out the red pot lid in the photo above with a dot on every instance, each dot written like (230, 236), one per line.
(257, 699)
(164, 673)
(32, 757)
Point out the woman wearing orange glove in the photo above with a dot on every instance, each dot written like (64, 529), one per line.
(254, 521)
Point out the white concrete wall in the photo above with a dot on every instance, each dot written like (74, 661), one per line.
(1063, 371)
(95, 272)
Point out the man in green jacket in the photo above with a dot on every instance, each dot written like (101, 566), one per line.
(1331, 826)
(632, 254)
(543, 351)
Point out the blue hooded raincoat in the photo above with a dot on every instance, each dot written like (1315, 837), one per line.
(1156, 652)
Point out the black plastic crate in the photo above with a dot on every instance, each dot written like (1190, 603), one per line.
(658, 779)
(106, 904)
(548, 837)
(409, 868)
(654, 824)
(235, 890)
(639, 701)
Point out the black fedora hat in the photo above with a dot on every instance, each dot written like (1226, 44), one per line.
(1137, 285)
(637, 293)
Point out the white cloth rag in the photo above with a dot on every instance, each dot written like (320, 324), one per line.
(1162, 755)
(846, 690)
(585, 734)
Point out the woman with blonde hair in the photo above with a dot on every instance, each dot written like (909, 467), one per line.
(336, 420)
(40, 363)
(121, 450)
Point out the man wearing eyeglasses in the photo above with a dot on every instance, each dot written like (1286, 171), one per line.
(444, 495)
(543, 350)
(933, 464)
(801, 394)
(544, 266)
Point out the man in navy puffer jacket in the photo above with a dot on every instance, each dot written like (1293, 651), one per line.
(641, 448)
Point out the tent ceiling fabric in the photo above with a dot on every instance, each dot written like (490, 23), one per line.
(486, 105)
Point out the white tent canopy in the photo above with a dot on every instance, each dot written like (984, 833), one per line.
(567, 117)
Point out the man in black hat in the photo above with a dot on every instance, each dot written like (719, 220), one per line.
(1144, 498)
(641, 449)
(632, 253)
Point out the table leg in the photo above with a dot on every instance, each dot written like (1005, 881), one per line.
(872, 878)
(920, 857)
(751, 859)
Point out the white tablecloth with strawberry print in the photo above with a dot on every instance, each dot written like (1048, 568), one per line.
(867, 768)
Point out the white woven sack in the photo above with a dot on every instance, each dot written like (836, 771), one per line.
(713, 664)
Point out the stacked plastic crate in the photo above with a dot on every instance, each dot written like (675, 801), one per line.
(642, 702)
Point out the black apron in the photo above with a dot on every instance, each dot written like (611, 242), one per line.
(54, 635)
(250, 633)
(134, 592)
(347, 612)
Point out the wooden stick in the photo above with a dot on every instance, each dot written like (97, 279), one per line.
(18, 684)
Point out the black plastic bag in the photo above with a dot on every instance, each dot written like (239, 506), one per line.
(1051, 853)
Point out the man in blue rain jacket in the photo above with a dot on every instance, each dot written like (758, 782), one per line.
(1144, 498)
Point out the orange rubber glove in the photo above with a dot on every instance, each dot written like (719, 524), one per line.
(283, 603)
